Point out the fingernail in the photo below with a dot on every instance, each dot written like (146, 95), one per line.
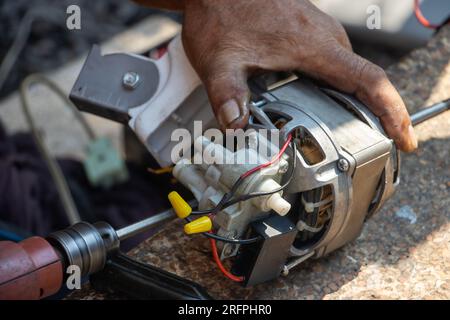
(228, 113)
(412, 137)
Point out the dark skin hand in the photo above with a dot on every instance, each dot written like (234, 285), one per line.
(227, 41)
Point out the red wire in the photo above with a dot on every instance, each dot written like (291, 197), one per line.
(220, 265)
(243, 176)
(420, 17)
(276, 158)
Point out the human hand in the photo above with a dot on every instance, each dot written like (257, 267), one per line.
(227, 42)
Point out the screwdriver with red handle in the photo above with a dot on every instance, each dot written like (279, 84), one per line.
(35, 268)
(31, 269)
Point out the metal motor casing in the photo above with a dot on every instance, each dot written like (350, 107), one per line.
(210, 180)
(360, 164)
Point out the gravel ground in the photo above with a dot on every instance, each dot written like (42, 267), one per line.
(403, 251)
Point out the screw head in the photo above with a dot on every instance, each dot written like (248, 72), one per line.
(130, 80)
(343, 165)
(228, 250)
(283, 168)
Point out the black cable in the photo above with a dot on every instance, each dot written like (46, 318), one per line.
(227, 196)
(232, 241)
(267, 193)
(226, 202)
(200, 212)
(228, 240)
(223, 202)
(62, 187)
(22, 35)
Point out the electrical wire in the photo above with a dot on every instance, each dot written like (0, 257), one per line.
(227, 197)
(255, 194)
(421, 18)
(267, 193)
(228, 274)
(9, 235)
(226, 202)
(23, 32)
(160, 171)
(214, 236)
(232, 241)
(40, 79)
(271, 162)
(201, 212)
(53, 166)
(16, 47)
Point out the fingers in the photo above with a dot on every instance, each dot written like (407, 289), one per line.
(338, 31)
(330, 24)
(353, 74)
(226, 84)
(377, 92)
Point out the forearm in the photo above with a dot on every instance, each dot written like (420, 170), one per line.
(177, 5)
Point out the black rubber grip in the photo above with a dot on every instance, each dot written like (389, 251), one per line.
(143, 281)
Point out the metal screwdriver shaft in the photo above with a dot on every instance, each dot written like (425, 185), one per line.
(430, 112)
(148, 223)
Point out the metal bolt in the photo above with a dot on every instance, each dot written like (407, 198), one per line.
(130, 80)
(283, 168)
(228, 251)
(259, 103)
(343, 165)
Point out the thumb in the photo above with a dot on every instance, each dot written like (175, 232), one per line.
(229, 95)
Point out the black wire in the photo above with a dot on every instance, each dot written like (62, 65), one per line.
(266, 193)
(228, 240)
(227, 196)
(225, 202)
(232, 241)
(201, 212)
